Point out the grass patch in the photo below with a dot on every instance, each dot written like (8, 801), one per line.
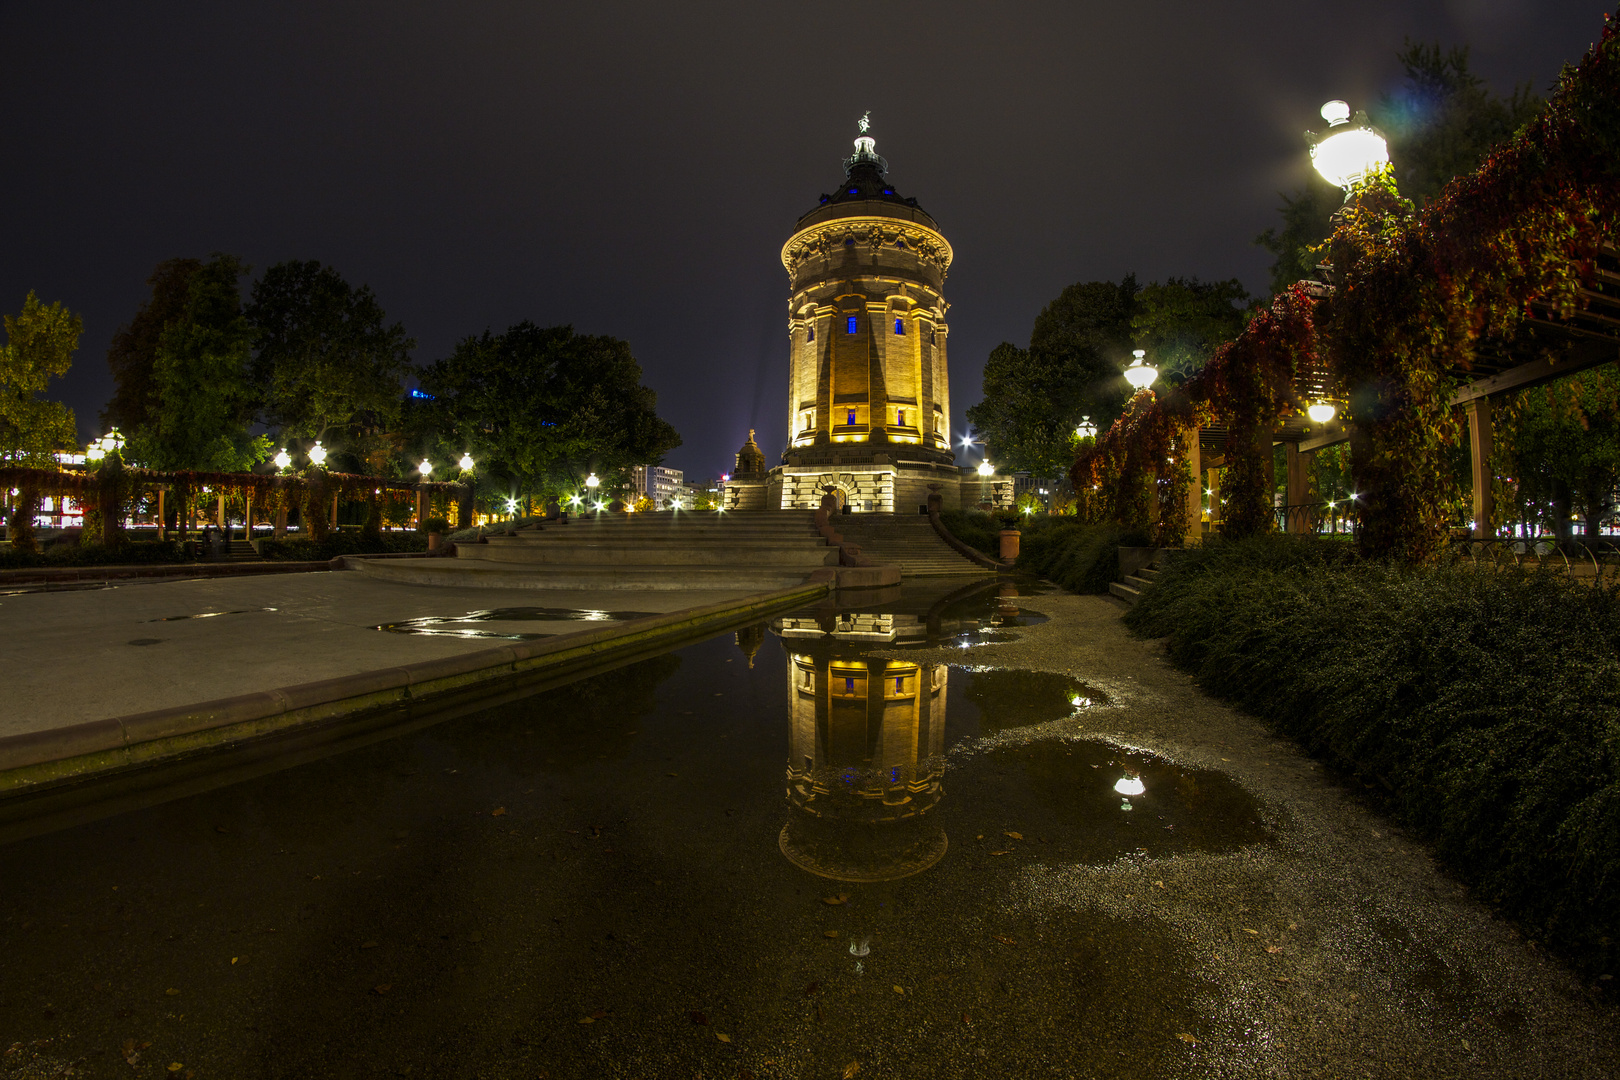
(1484, 707)
(132, 553)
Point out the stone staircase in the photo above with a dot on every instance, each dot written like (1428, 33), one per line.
(241, 551)
(668, 550)
(1130, 590)
(908, 542)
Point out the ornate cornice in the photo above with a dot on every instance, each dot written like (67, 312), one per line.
(872, 232)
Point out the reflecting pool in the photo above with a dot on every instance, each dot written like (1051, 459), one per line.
(770, 854)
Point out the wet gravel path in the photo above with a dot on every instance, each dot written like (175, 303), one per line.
(1340, 948)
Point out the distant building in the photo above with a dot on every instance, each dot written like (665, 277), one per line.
(656, 483)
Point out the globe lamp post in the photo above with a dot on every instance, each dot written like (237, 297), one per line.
(282, 459)
(1321, 412)
(425, 468)
(1141, 373)
(317, 454)
(1085, 429)
(466, 463)
(1350, 152)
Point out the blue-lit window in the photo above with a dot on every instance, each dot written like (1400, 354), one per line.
(899, 682)
(849, 325)
(854, 191)
(888, 191)
(849, 686)
(849, 241)
(852, 418)
(900, 419)
(810, 335)
(900, 327)
(422, 395)
(894, 776)
(901, 243)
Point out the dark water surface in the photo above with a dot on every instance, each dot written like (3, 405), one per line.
(769, 854)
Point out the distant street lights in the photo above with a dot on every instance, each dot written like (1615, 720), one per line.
(1351, 151)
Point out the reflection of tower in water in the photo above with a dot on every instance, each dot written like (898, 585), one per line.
(866, 758)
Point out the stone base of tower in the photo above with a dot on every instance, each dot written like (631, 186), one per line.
(899, 487)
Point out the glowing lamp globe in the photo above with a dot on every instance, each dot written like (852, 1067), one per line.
(1129, 785)
(466, 462)
(1086, 429)
(1350, 151)
(282, 458)
(1141, 373)
(425, 468)
(986, 469)
(1321, 412)
(317, 453)
(592, 482)
(112, 441)
(94, 452)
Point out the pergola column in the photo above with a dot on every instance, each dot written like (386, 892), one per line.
(1195, 490)
(1298, 489)
(1479, 459)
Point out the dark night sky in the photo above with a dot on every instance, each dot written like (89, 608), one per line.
(633, 169)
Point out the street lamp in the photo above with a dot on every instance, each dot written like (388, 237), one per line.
(317, 454)
(1086, 429)
(466, 462)
(425, 468)
(1321, 412)
(1129, 785)
(1141, 373)
(986, 469)
(1350, 151)
(282, 458)
(592, 482)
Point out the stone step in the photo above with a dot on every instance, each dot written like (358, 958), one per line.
(1125, 592)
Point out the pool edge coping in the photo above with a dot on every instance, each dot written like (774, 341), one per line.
(37, 760)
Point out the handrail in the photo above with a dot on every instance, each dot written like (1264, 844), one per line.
(962, 549)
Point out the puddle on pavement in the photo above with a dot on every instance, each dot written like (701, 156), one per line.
(706, 833)
(210, 614)
(454, 625)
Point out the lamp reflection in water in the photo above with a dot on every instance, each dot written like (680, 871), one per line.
(866, 749)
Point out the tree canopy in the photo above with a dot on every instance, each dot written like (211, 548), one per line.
(132, 354)
(40, 342)
(1442, 123)
(202, 403)
(539, 408)
(327, 363)
(1079, 346)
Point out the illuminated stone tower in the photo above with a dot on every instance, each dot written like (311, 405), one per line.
(868, 391)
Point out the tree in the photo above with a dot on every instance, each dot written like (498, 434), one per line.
(540, 408)
(1563, 445)
(328, 365)
(201, 402)
(132, 353)
(1183, 321)
(1441, 124)
(40, 342)
(1034, 397)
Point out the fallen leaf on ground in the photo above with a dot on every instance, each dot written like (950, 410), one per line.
(499, 811)
(1246, 930)
(1014, 835)
(899, 989)
(698, 1018)
(1186, 1038)
(1283, 979)
(722, 1036)
(1273, 948)
(841, 898)
(175, 1066)
(1006, 940)
(829, 933)
(587, 1019)
(966, 1019)
(851, 1069)
(1001, 853)
(171, 992)
(1158, 884)
(368, 944)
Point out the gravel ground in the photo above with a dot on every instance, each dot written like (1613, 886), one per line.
(1386, 966)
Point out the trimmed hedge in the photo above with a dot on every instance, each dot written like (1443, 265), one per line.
(340, 543)
(975, 528)
(1080, 557)
(1484, 706)
(133, 553)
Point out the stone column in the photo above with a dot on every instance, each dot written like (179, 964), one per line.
(1298, 489)
(1195, 490)
(1479, 455)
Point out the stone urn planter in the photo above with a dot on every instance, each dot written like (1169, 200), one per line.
(1009, 545)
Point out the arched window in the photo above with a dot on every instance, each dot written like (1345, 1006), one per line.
(851, 417)
(849, 325)
(810, 334)
(900, 326)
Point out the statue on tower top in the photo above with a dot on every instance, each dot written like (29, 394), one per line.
(865, 121)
